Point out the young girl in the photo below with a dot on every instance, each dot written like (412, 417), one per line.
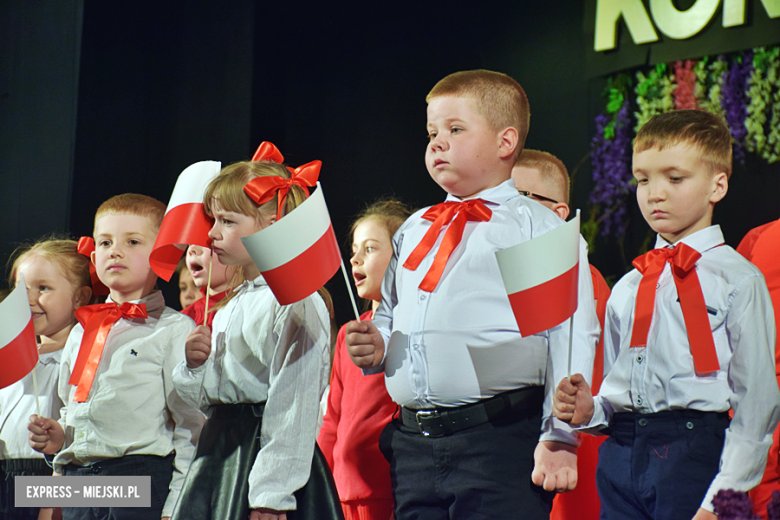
(358, 405)
(222, 279)
(58, 283)
(261, 385)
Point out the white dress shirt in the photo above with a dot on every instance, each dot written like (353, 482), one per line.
(280, 355)
(132, 407)
(661, 376)
(460, 343)
(17, 404)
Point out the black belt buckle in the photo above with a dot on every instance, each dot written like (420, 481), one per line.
(422, 416)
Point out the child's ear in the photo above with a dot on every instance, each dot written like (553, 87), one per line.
(562, 210)
(92, 258)
(720, 186)
(508, 143)
(82, 296)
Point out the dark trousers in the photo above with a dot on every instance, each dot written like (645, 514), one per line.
(482, 472)
(159, 468)
(9, 469)
(659, 466)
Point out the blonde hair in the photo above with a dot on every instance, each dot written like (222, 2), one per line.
(498, 98)
(551, 170)
(701, 130)
(227, 192)
(134, 204)
(62, 253)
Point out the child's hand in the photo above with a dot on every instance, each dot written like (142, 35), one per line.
(703, 514)
(267, 514)
(365, 344)
(197, 348)
(555, 466)
(573, 402)
(46, 435)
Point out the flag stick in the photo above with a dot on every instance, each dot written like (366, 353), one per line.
(571, 335)
(208, 290)
(349, 290)
(35, 388)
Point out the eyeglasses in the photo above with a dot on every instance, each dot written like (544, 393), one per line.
(535, 196)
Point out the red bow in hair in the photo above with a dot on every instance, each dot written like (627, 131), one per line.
(263, 189)
(85, 247)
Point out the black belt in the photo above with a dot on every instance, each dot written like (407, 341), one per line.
(446, 421)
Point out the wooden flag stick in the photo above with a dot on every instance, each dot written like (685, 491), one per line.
(208, 290)
(571, 335)
(349, 290)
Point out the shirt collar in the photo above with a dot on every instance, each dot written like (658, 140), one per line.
(252, 284)
(154, 301)
(701, 240)
(497, 194)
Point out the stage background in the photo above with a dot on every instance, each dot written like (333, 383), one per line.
(101, 98)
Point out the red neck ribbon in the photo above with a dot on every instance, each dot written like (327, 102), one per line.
(457, 213)
(85, 247)
(97, 321)
(263, 189)
(683, 263)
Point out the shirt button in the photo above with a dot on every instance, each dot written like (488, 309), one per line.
(422, 298)
(639, 359)
(639, 400)
(415, 346)
(642, 422)
(689, 425)
(95, 470)
(81, 435)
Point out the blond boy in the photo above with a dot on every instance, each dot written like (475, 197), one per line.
(690, 335)
(542, 177)
(128, 419)
(474, 394)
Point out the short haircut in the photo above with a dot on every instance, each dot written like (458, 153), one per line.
(702, 130)
(62, 253)
(389, 213)
(498, 98)
(134, 204)
(551, 170)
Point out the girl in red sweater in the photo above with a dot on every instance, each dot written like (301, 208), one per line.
(358, 405)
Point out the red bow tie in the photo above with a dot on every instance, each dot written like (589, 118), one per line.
(263, 189)
(683, 263)
(97, 321)
(85, 247)
(457, 213)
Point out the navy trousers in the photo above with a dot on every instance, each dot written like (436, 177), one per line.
(659, 466)
(159, 468)
(483, 472)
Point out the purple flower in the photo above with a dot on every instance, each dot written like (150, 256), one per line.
(773, 507)
(734, 505)
(734, 100)
(611, 161)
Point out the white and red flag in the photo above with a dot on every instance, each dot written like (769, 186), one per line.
(541, 276)
(18, 347)
(185, 221)
(299, 253)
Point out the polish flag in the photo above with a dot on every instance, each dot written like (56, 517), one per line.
(299, 253)
(19, 350)
(541, 277)
(185, 221)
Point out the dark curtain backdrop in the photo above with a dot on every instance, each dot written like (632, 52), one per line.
(101, 98)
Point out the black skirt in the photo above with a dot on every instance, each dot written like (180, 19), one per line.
(217, 483)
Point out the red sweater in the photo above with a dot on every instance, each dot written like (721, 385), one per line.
(196, 310)
(358, 408)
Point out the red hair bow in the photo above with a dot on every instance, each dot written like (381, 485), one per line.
(263, 189)
(85, 247)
